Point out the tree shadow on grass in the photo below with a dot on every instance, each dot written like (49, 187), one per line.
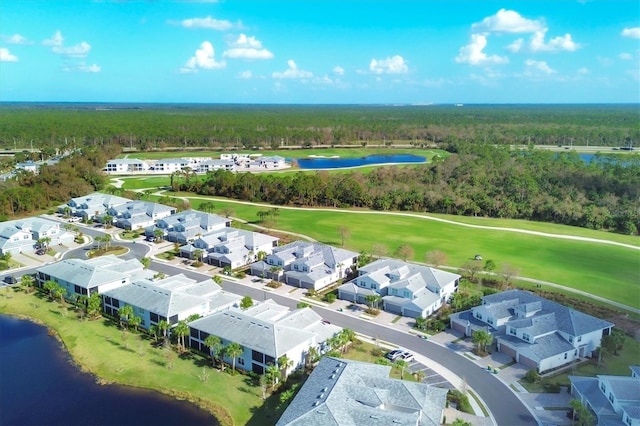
(266, 414)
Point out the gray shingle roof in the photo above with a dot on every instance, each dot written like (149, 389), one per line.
(341, 392)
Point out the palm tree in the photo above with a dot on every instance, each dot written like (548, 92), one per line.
(482, 339)
(420, 375)
(273, 375)
(107, 240)
(44, 242)
(198, 255)
(181, 330)
(158, 233)
(163, 326)
(26, 283)
(284, 363)
(135, 322)
(146, 262)
(214, 344)
(126, 312)
(217, 279)
(233, 350)
(401, 365)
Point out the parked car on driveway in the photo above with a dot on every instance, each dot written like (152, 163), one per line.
(393, 355)
(10, 279)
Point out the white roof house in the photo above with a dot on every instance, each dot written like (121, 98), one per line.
(126, 165)
(230, 247)
(22, 235)
(615, 400)
(405, 288)
(97, 275)
(266, 332)
(188, 225)
(537, 332)
(171, 299)
(213, 165)
(345, 392)
(139, 214)
(306, 265)
(92, 206)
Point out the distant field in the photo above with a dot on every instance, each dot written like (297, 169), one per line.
(294, 153)
(608, 271)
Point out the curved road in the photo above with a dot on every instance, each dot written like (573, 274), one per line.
(505, 407)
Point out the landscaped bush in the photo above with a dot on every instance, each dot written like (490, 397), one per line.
(274, 284)
(532, 376)
(330, 297)
(241, 274)
(461, 400)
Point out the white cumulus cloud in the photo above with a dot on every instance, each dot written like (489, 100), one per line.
(516, 46)
(16, 39)
(473, 53)
(556, 44)
(631, 32)
(538, 67)
(247, 48)
(207, 23)
(246, 75)
(6, 56)
(293, 72)
(391, 65)
(55, 40)
(507, 21)
(78, 51)
(204, 58)
(82, 67)
(625, 56)
(338, 70)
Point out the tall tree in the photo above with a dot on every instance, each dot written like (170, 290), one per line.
(181, 330)
(482, 339)
(214, 344)
(233, 350)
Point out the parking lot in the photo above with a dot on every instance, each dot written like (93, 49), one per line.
(431, 377)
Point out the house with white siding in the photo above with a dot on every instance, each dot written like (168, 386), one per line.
(22, 235)
(404, 288)
(346, 392)
(187, 226)
(92, 206)
(536, 332)
(134, 215)
(614, 400)
(84, 277)
(229, 247)
(170, 299)
(213, 165)
(306, 265)
(266, 332)
(126, 165)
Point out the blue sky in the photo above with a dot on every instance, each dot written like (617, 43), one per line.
(329, 51)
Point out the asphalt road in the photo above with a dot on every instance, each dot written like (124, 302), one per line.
(506, 408)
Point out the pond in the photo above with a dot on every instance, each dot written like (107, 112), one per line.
(40, 386)
(318, 163)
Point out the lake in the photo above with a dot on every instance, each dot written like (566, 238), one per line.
(318, 163)
(40, 386)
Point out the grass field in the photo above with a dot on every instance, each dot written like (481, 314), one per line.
(100, 348)
(609, 271)
(294, 153)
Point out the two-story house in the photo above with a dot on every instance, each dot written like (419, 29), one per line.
(139, 214)
(536, 332)
(126, 165)
(22, 235)
(81, 277)
(307, 265)
(92, 206)
(186, 226)
(613, 400)
(229, 247)
(266, 332)
(404, 288)
(169, 299)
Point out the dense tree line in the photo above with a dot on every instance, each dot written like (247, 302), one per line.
(148, 127)
(74, 176)
(481, 180)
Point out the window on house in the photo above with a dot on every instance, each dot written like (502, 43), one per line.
(603, 387)
(565, 355)
(513, 331)
(478, 315)
(579, 338)
(490, 321)
(611, 398)
(240, 361)
(526, 337)
(570, 339)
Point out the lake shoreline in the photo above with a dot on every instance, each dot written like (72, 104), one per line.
(209, 408)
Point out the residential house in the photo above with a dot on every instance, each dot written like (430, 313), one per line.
(307, 265)
(187, 226)
(271, 162)
(82, 277)
(170, 165)
(22, 235)
(28, 166)
(404, 288)
(229, 247)
(92, 206)
(267, 332)
(126, 165)
(170, 299)
(139, 214)
(345, 392)
(213, 165)
(615, 400)
(536, 332)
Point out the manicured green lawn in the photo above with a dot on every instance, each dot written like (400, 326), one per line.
(102, 349)
(605, 270)
(295, 153)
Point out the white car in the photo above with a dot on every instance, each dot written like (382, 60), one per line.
(406, 356)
